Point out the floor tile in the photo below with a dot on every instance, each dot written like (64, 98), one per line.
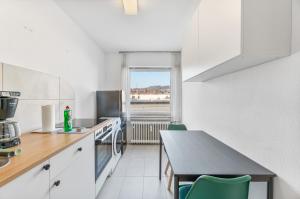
(132, 188)
(112, 188)
(136, 162)
(151, 167)
(120, 170)
(135, 172)
(136, 167)
(153, 188)
(136, 176)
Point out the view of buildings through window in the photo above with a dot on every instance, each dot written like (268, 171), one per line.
(150, 92)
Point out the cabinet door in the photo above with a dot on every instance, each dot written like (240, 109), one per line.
(219, 31)
(190, 46)
(34, 184)
(65, 158)
(77, 181)
(219, 36)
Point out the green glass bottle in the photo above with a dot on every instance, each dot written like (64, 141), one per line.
(68, 119)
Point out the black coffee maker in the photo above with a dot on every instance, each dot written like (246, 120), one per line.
(9, 130)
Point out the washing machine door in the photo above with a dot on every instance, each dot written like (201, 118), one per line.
(118, 141)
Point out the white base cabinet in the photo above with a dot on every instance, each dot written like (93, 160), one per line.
(77, 179)
(75, 182)
(34, 184)
(69, 174)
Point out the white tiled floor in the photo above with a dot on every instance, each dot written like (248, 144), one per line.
(136, 176)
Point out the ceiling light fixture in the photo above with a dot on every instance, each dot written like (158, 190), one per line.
(130, 7)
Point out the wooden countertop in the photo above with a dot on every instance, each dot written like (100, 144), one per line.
(37, 148)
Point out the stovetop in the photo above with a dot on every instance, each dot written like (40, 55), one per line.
(83, 123)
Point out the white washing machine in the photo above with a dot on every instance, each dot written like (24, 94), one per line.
(117, 141)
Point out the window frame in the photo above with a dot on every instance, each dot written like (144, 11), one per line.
(151, 115)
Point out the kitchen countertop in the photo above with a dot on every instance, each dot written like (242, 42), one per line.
(37, 148)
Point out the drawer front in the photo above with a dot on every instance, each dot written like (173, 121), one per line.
(33, 184)
(65, 158)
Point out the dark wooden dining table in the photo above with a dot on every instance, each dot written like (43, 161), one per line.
(195, 153)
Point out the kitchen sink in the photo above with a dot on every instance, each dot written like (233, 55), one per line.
(76, 130)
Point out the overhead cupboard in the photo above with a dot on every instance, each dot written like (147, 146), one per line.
(229, 35)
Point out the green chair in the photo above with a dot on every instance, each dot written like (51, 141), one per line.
(209, 187)
(173, 127)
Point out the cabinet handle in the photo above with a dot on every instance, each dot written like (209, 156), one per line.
(79, 149)
(57, 183)
(46, 167)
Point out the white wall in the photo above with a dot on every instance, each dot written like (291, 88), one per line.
(113, 71)
(37, 34)
(296, 26)
(113, 65)
(257, 112)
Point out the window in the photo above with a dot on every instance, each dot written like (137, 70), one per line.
(150, 92)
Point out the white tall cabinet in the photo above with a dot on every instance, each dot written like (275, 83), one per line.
(229, 35)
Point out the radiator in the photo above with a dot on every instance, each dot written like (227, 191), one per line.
(147, 132)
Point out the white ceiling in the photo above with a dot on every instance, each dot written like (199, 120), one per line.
(159, 25)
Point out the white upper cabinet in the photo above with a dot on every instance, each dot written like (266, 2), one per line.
(189, 53)
(229, 35)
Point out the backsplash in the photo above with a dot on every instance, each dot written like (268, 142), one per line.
(36, 89)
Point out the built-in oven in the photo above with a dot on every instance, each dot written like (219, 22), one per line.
(103, 149)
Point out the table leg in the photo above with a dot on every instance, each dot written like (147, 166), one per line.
(270, 188)
(176, 187)
(160, 156)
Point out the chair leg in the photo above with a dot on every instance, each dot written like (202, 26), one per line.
(167, 167)
(170, 179)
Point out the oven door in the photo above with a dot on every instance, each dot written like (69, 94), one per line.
(103, 152)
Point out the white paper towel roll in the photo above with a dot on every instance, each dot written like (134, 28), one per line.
(48, 118)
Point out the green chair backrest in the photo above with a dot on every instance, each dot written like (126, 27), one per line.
(209, 187)
(177, 127)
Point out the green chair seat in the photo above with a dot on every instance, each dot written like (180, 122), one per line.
(209, 187)
(176, 127)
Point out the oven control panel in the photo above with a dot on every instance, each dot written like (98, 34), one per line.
(107, 128)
